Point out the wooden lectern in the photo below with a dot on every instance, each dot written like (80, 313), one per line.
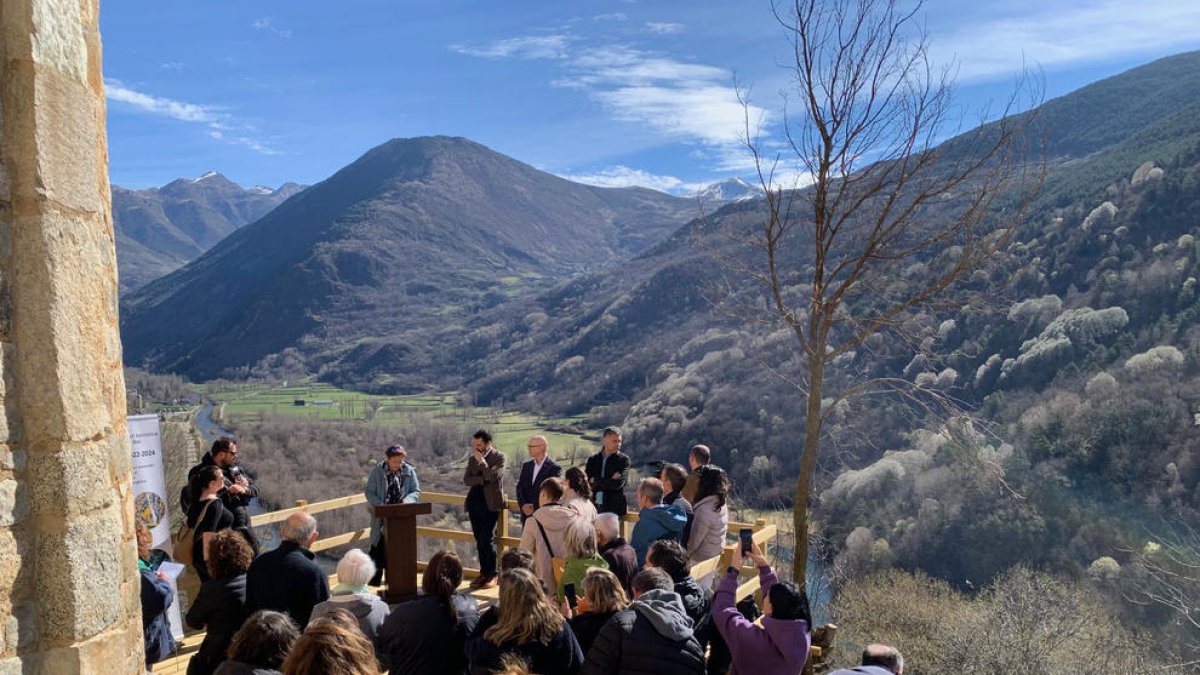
(400, 524)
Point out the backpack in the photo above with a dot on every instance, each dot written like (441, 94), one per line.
(184, 539)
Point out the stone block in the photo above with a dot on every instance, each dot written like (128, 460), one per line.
(68, 171)
(20, 627)
(115, 651)
(79, 573)
(16, 565)
(12, 459)
(14, 502)
(69, 481)
(69, 359)
(57, 40)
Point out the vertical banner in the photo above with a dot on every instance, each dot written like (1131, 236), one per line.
(150, 495)
(149, 479)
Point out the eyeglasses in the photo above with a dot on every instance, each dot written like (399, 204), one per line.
(535, 446)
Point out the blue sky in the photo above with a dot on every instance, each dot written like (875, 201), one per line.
(611, 92)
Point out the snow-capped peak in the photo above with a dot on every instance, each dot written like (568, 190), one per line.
(729, 190)
(210, 174)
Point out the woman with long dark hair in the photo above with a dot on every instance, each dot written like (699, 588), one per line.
(528, 626)
(579, 494)
(207, 515)
(710, 515)
(426, 635)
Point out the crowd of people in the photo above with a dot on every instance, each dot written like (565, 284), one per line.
(575, 597)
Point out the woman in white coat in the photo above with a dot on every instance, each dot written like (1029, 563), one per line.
(710, 520)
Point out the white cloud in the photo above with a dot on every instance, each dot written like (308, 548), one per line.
(623, 176)
(157, 105)
(221, 126)
(614, 16)
(529, 47)
(686, 101)
(173, 66)
(665, 27)
(267, 24)
(1051, 35)
(683, 101)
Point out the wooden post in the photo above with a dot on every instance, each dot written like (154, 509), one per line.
(760, 523)
(501, 530)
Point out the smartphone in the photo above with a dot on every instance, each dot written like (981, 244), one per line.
(572, 599)
(747, 537)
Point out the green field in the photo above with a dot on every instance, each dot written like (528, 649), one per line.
(326, 402)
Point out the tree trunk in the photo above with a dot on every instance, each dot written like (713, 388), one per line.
(808, 463)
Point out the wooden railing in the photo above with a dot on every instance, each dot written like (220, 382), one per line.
(764, 533)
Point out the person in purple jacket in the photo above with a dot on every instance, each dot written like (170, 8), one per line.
(780, 646)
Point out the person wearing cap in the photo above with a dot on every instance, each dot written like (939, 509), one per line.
(392, 481)
(606, 470)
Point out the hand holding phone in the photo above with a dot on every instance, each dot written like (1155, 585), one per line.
(572, 599)
(746, 535)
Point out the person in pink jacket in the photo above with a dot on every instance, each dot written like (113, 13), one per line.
(780, 646)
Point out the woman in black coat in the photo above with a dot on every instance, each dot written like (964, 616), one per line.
(527, 626)
(207, 514)
(425, 636)
(220, 606)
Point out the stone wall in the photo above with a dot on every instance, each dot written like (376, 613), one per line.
(68, 580)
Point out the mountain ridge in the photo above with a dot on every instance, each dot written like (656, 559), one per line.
(486, 225)
(160, 229)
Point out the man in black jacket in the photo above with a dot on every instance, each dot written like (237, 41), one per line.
(670, 557)
(536, 469)
(606, 471)
(286, 579)
(238, 491)
(652, 637)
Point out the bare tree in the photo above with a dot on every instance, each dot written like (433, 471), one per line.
(1166, 574)
(885, 192)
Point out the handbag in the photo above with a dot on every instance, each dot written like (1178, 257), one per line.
(556, 564)
(183, 541)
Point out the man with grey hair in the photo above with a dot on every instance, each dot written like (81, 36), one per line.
(351, 593)
(286, 579)
(877, 659)
(620, 556)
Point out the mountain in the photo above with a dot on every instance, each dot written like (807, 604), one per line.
(729, 190)
(1078, 354)
(161, 229)
(358, 271)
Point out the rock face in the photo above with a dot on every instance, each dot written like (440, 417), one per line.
(68, 575)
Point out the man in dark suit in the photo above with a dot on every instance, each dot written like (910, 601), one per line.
(606, 471)
(485, 502)
(286, 579)
(534, 470)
